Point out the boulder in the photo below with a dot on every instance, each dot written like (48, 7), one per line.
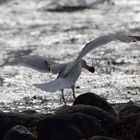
(19, 132)
(95, 100)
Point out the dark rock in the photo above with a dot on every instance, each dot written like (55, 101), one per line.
(19, 132)
(137, 130)
(29, 112)
(95, 100)
(72, 5)
(129, 109)
(1, 81)
(69, 127)
(54, 128)
(9, 120)
(107, 121)
(4, 124)
(127, 122)
(101, 138)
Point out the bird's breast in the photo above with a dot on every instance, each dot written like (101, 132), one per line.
(74, 73)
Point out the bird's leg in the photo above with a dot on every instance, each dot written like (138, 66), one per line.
(63, 97)
(73, 91)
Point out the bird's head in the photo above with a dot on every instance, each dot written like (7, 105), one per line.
(89, 68)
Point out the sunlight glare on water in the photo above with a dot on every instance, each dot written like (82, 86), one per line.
(28, 28)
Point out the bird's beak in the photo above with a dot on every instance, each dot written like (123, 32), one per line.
(90, 68)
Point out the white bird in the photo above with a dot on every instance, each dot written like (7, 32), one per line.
(68, 73)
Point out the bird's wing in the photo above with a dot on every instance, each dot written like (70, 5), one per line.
(99, 41)
(38, 63)
(53, 86)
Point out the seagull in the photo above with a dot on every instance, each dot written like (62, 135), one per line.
(68, 73)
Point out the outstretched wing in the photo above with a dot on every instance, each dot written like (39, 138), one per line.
(102, 40)
(38, 63)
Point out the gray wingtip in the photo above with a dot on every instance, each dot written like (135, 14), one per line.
(40, 86)
(44, 87)
(36, 85)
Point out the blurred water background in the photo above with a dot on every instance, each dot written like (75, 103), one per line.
(59, 29)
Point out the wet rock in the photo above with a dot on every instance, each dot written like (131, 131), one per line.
(137, 130)
(19, 132)
(1, 81)
(107, 121)
(4, 124)
(127, 121)
(129, 109)
(9, 120)
(72, 5)
(57, 128)
(95, 100)
(29, 111)
(118, 61)
(69, 127)
(100, 138)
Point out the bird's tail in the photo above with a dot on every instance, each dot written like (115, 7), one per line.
(53, 86)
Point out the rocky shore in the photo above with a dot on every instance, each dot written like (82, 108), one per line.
(46, 27)
(90, 117)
